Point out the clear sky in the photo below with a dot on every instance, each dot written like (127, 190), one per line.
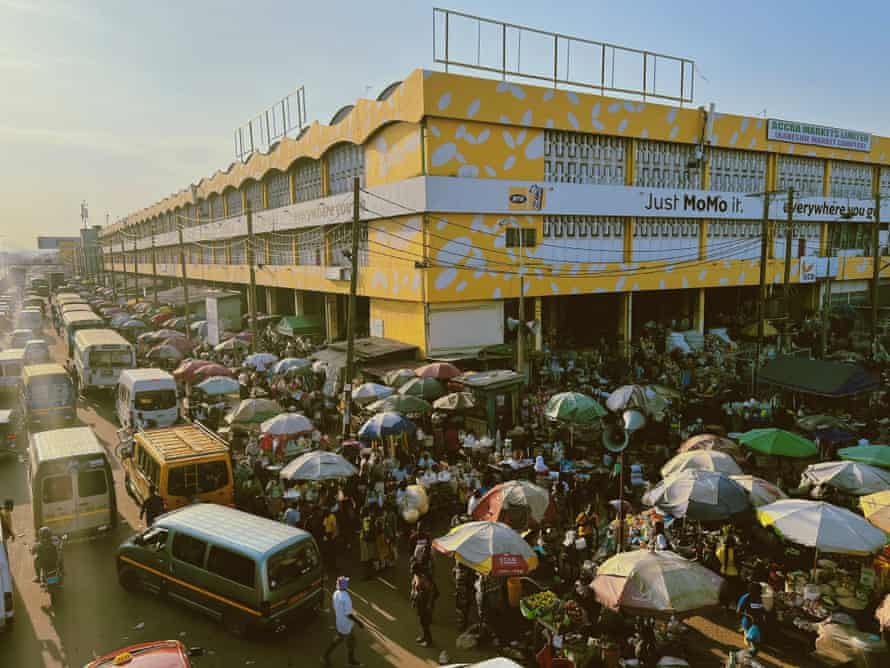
(120, 102)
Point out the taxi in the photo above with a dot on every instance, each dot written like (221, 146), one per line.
(157, 654)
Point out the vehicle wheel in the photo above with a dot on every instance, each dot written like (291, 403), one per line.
(234, 623)
(128, 579)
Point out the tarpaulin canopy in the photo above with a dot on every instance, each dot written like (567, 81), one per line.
(820, 377)
(300, 325)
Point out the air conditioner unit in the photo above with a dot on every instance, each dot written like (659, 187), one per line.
(337, 273)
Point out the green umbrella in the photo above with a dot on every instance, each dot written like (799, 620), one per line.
(399, 403)
(876, 455)
(573, 407)
(778, 442)
(429, 389)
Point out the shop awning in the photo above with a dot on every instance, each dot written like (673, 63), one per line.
(819, 377)
(300, 325)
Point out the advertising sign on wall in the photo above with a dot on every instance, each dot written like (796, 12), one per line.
(813, 268)
(817, 135)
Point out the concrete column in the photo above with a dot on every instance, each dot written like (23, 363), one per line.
(299, 305)
(330, 317)
(539, 316)
(625, 323)
(698, 322)
(271, 300)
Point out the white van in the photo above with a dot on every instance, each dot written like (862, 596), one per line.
(7, 608)
(11, 363)
(99, 357)
(30, 318)
(72, 489)
(146, 398)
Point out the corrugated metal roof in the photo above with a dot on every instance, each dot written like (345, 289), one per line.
(182, 442)
(99, 337)
(63, 443)
(253, 535)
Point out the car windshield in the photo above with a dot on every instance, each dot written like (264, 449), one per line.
(50, 392)
(292, 563)
(155, 400)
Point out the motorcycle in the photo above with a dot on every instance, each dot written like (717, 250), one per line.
(52, 579)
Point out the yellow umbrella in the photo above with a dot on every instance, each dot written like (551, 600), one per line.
(490, 548)
(876, 508)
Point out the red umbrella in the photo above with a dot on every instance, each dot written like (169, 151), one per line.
(161, 317)
(518, 503)
(438, 370)
(181, 344)
(187, 369)
(212, 369)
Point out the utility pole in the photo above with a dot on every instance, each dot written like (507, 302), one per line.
(154, 265)
(251, 295)
(761, 297)
(826, 299)
(350, 319)
(113, 272)
(520, 329)
(876, 272)
(789, 227)
(185, 282)
(124, 260)
(136, 269)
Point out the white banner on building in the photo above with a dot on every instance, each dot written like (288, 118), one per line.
(795, 132)
(456, 195)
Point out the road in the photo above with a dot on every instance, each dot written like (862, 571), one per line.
(95, 615)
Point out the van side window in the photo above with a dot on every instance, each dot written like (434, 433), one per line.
(57, 488)
(91, 483)
(189, 549)
(231, 566)
(147, 465)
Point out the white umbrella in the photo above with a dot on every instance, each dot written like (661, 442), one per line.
(318, 465)
(367, 393)
(823, 526)
(848, 476)
(260, 361)
(760, 492)
(286, 424)
(703, 460)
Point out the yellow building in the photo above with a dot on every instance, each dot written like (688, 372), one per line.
(637, 210)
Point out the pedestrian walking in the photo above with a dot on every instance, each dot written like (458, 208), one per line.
(345, 620)
(423, 597)
(152, 507)
(6, 520)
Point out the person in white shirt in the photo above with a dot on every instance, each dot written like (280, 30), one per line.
(345, 621)
(473, 501)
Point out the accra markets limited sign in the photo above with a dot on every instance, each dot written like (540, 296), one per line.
(817, 135)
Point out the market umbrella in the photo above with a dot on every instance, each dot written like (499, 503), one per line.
(253, 411)
(760, 492)
(219, 385)
(385, 424)
(574, 408)
(166, 334)
(701, 496)
(646, 400)
(778, 442)
(823, 526)
(876, 455)
(160, 317)
(711, 442)
(288, 363)
(399, 403)
(133, 324)
(368, 393)
(164, 352)
(853, 478)
(399, 377)
(119, 319)
(428, 389)
(181, 344)
(260, 361)
(655, 583)
(668, 393)
(148, 338)
(876, 508)
(490, 548)
(187, 369)
(209, 370)
(286, 424)
(318, 465)
(704, 460)
(456, 401)
(438, 370)
(230, 345)
(818, 422)
(518, 503)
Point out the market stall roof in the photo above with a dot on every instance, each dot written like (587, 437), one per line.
(196, 295)
(819, 377)
(489, 380)
(300, 325)
(372, 352)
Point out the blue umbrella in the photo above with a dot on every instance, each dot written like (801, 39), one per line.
(282, 366)
(385, 424)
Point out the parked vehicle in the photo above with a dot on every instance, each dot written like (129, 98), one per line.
(36, 352)
(146, 399)
(7, 599)
(20, 337)
(77, 321)
(30, 318)
(184, 463)
(46, 397)
(157, 654)
(8, 432)
(11, 363)
(71, 485)
(246, 571)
